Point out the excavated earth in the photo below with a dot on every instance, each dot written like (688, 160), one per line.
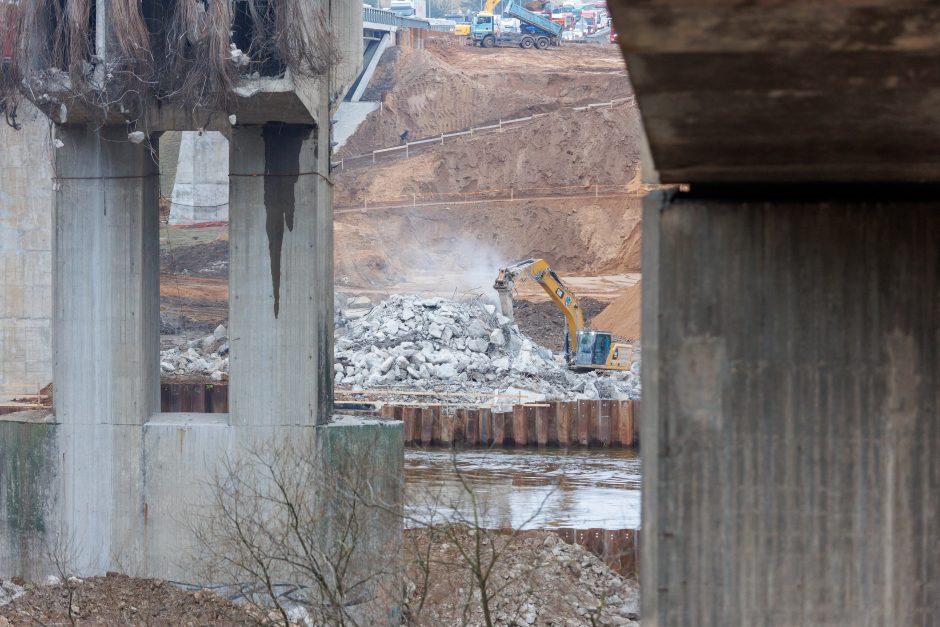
(450, 86)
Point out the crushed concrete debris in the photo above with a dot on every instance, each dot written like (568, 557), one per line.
(9, 592)
(206, 356)
(445, 345)
(537, 580)
(430, 345)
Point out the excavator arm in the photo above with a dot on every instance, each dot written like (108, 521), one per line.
(490, 5)
(563, 298)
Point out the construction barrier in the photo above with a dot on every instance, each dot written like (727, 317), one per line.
(552, 424)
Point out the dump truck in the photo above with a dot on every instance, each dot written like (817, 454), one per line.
(584, 349)
(535, 29)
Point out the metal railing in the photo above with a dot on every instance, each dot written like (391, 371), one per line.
(381, 16)
(595, 191)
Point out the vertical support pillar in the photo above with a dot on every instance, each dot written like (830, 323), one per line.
(789, 417)
(106, 335)
(280, 276)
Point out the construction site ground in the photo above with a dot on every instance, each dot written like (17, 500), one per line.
(536, 576)
(466, 218)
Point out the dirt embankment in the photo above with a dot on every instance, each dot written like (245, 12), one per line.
(622, 316)
(457, 246)
(449, 86)
(562, 149)
(400, 246)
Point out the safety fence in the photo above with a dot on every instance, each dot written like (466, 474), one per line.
(506, 194)
(409, 149)
(591, 423)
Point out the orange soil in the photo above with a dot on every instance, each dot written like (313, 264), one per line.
(622, 316)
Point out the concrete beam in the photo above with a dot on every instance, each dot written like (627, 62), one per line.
(802, 91)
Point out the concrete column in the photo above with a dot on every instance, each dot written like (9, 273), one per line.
(200, 187)
(791, 447)
(280, 276)
(106, 326)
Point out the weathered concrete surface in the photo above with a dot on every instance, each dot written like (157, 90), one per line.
(737, 90)
(200, 188)
(29, 490)
(281, 275)
(358, 457)
(169, 161)
(25, 254)
(111, 481)
(790, 431)
(364, 458)
(107, 334)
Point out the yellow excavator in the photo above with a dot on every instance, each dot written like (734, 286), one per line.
(584, 350)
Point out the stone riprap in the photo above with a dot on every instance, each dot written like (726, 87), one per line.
(432, 345)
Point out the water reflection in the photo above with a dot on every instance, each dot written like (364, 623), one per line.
(524, 488)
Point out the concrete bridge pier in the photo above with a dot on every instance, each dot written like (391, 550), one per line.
(790, 433)
(108, 482)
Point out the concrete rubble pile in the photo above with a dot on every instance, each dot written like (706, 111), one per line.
(431, 345)
(207, 356)
(445, 345)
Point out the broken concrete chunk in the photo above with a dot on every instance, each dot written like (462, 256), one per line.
(478, 345)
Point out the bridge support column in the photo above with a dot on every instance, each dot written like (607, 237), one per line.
(790, 408)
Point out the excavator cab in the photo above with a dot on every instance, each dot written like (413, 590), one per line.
(593, 349)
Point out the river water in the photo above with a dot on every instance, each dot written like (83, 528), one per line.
(520, 488)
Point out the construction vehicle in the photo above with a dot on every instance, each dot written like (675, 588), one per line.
(535, 30)
(584, 349)
(590, 21)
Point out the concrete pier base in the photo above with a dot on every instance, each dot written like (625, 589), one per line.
(789, 421)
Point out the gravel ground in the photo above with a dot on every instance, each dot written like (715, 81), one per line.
(120, 600)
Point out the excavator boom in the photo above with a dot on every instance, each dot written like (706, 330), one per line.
(563, 297)
(490, 5)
